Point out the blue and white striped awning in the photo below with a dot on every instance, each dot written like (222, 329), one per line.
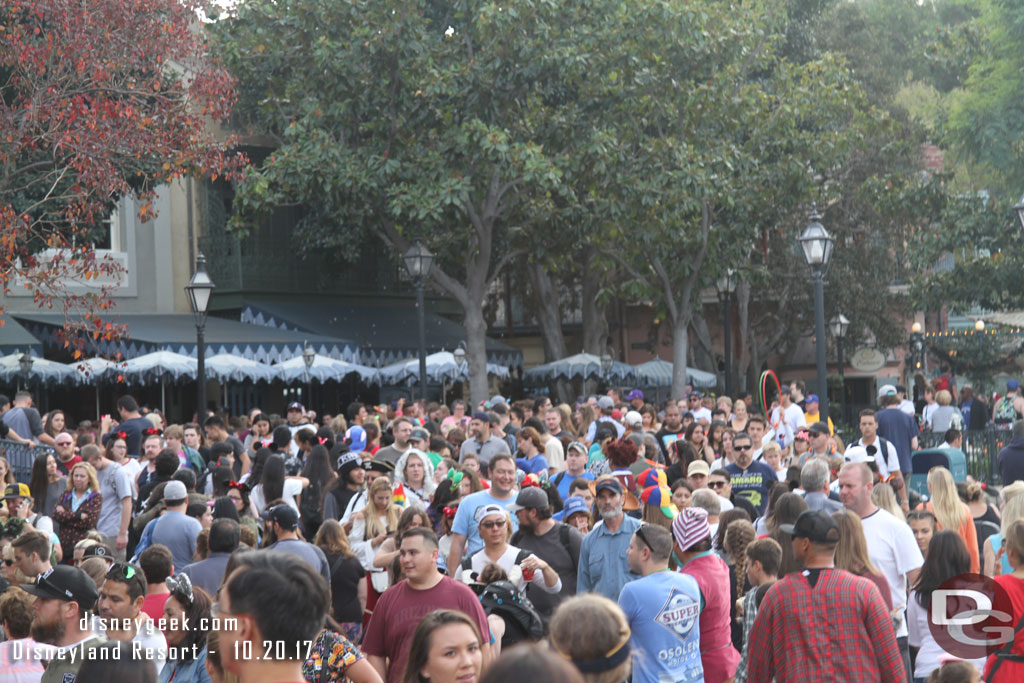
(176, 332)
(580, 366)
(658, 373)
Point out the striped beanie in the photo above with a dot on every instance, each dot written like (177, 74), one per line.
(690, 527)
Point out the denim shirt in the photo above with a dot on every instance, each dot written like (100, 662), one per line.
(603, 566)
(179, 671)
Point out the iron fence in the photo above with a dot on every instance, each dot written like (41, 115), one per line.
(20, 457)
(981, 447)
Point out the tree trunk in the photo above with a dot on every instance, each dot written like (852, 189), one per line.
(595, 323)
(548, 311)
(476, 351)
(680, 350)
(704, 350)
(743, 314)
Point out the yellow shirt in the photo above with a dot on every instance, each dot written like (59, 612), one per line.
(816, 417)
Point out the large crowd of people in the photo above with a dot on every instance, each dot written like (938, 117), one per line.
(703, 539)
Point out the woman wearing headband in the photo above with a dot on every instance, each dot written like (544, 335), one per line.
(186, 614)
(591, 632)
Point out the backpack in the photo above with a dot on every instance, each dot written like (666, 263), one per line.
(505, 600)
(310, 506)
(1005, 413)
(563, 538)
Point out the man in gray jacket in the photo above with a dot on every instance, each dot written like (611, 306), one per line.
(814, 481)
(225, 535)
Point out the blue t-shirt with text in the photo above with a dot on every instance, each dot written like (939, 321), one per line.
(753, 483)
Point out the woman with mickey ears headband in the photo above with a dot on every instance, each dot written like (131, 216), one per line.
(186, 621)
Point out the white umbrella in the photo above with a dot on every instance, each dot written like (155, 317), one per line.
(42, 369)
(227, 367)
(92, 370)
(582, 366)
(658, 373)
(322, 369)
(441, 367)
(162, 365)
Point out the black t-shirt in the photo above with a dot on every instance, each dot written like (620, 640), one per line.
(345, 576)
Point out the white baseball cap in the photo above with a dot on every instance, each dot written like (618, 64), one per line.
(633, 419)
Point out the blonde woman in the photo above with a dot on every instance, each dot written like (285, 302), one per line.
(996, 561)
(884, 497)
(79, 508)
(950, 512)
(591, 628)
(372, 524)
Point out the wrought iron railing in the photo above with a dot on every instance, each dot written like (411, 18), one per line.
(21, 456)
(981, 447)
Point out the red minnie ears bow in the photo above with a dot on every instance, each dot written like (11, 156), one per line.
(450, 512)
(237, 485)
(150, 431)
(322, 440)
(121, 434)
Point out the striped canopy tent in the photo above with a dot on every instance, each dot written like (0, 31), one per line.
(658, 373)
(581, 366)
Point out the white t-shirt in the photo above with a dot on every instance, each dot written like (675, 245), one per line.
(890, 463)
(921, 637)
(892, 548)
(291, 488)
(702, 414)
(132, 467)
(554, 454)
(792, 421)
(507, 561)
(907, 406)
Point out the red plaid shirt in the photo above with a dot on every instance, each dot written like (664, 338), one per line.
(839, 630)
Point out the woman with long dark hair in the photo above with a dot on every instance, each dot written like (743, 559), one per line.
(697, 437)
(947, 557)
(46, 484)
(318, 471)
(274, 485)
(55, 423)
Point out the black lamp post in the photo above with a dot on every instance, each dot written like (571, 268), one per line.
(418, 262)
(726, 286)
(308, 356)
(817, 247)
(199, 290)
(25, 365)
(840, 324)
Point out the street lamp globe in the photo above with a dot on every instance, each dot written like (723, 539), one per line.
(816, 243)
(25, 363)
(460, 355)
(199, 290)
(979, 325)
(308, 355)
(606, 363)
(418, 261)
(839, 324)
(727, 283)
(916, 328)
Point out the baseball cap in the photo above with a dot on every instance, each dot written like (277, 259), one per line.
(283, 514)
(886, 390)
(690, 526)
(818, 427)
(857, 454)
(496, 399)
(814, 525)
(66, 583)
(482, 416)
(378, 466)
(576, 446)
(698, 467)
(605, 403)
(633, 419)
(175, 490)
(811, 398)
(802, 435)
(486, 511)
(356, 437)
(17, 490)
(608, 482)
(636, 393)
(529, 497)
(99, 550)
(785, 390)
(295, 405)
(573, 504)
(419, 434)
(348, 462)
(1012, 385)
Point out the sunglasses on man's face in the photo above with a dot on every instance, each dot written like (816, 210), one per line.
(741, 448)
(716, 484)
